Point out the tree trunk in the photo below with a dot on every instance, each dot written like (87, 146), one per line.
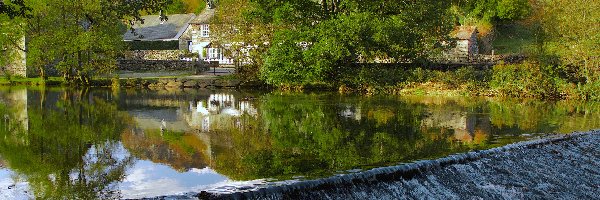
(325, 8)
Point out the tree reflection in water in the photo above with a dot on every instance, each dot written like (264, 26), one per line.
(69, 149)
(80, 143)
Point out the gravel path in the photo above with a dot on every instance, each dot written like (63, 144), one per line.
(566, 167)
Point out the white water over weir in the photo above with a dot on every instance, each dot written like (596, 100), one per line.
(560, 167)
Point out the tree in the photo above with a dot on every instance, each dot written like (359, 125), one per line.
(355, 31)
(573, 34)
(14, 8)
(491, 11)
(327, 33)
(79, 38)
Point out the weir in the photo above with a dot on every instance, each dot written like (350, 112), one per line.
(560, 167)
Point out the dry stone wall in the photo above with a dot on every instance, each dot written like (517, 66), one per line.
(161, 65)
(159, 60)
(156, 55)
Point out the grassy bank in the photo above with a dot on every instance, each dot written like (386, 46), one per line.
(154, 82)
(525, 80)
(7, 80)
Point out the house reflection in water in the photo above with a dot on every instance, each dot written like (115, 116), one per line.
(351, 112)
(220, 109)
(16, 100)
(167, 128)
(468, 128)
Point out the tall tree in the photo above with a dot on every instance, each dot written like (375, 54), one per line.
(572, 30)
(79, 38)
(307, 40)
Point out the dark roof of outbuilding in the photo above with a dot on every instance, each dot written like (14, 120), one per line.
(464, 32)
(204, 17)
(153, 29)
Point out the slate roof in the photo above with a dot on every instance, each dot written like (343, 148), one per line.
(153, 30)
(204, 17)
(465, 32)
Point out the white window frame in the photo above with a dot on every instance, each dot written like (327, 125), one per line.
(214, 54)
(204, 30)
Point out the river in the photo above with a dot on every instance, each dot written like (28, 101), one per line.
(62, 143)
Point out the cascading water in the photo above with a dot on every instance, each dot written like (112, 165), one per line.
(564, 167)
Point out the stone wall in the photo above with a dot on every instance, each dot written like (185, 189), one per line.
(158, 65)
(156, 55)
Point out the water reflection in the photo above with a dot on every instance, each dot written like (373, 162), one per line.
(66, 153)
(140, 143)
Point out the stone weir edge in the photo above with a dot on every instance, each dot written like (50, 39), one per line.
(405, 171)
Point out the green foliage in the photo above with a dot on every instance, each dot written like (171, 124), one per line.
(588, 91)
(77, 38)
(491, 10)
(185, 6)
(284, 63)
(512, 9)
(177, 7)
(526, 80)
(309, 42)
(14, 8)
(572, 35)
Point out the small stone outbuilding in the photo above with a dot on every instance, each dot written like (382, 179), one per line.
(466, 48)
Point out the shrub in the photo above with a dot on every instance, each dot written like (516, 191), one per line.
(419, 75)
(525, 80)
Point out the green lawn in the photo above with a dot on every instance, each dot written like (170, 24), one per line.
(29, 81)
(513, 39)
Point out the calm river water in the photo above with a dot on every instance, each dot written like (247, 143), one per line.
(98, 143)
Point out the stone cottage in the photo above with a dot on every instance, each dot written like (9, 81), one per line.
(156, 30)
(466, 48)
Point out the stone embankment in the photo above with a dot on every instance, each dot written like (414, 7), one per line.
(197, 83)
(173, 83)
(562, 167)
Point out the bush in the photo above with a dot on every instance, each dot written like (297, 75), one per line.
(419, 75)
(588, 91)
(525, 80)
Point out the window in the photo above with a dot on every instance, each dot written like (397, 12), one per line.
(214, 53)
(204, 30)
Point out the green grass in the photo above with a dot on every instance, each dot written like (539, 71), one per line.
(29, 81)
(513, 39)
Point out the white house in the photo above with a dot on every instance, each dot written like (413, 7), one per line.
(199, 40)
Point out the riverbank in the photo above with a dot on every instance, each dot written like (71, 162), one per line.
(215, 78)
(563, 167)
(522, 80)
